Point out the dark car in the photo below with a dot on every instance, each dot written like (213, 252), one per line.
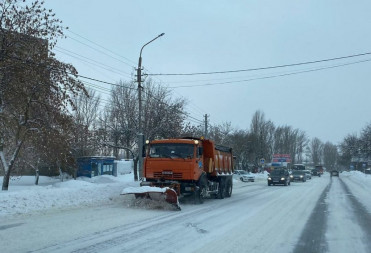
(279, 176)
(334, 173)
(316, 172)
(298, 175)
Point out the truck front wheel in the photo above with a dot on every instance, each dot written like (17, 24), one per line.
(200, 193)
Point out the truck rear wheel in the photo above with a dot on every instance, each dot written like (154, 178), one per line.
(221, 189)
(229, 187)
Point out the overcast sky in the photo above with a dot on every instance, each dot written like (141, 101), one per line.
(327, 100)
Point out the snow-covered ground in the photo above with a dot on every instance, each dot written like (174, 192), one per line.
(24, 197)
(91, 215)
(360, 186)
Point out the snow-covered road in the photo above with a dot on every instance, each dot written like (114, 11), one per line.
(320, 215)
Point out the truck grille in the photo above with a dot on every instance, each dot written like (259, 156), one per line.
(168, 176)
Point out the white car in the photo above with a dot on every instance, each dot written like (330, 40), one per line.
(244, 176)
(308, 174)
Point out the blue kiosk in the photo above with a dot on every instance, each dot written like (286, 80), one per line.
(91, 166)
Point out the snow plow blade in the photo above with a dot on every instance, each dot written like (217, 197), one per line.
(155, 193)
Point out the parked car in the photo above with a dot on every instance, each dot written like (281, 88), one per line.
(334, 173)
(279, 176)
(298, 175)
(244, 176)
(308, 174)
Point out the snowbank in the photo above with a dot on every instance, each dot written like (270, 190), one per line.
(124, 166)
(26, 197)
(360, 186)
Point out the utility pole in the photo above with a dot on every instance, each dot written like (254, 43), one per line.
(140, 128)
(206, 132)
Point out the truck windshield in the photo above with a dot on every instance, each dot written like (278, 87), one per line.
(171, 150)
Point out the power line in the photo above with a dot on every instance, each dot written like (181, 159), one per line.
(273, 76)
(101, 64)
(101, 51)
(100, 81)
(262, 68)
(101, 46)
(91, 61)
(148, 94)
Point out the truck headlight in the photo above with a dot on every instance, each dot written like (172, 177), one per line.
(269, 178)
(282, 178)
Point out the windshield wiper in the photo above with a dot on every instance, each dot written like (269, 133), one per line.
(168, 156)
(178, 155)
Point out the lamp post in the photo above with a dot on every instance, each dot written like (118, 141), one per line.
(140, 130)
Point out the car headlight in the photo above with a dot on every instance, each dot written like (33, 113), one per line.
(269, 178)
(282, 178)
(301, 176)
(291, 176)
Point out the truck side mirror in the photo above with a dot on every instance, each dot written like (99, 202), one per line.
(200, 151)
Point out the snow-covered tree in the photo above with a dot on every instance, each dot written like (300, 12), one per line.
(35, 88)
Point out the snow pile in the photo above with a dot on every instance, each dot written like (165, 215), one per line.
(360, 185)
(26, 197)
(262, 176)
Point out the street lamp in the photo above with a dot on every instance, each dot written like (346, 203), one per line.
(140, 130)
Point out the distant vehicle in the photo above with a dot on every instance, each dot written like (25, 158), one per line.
(308, 174)
(244, 176)
(298, 167)
(298, 175)
(316, 172)
(334, 173)
(279, 176)
(319, 168)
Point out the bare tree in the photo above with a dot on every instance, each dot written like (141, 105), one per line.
(301, 143)
(348, 148)
(262, 136)
(330, 155)
(290, 141)
(190, 130)
(220, 134)
(365, 142)
(123, 116)
(85, 117)
(103, 134)
(239, 141)
(163, 116)
(315, 150)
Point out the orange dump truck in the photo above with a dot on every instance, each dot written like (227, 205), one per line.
(189, 166)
